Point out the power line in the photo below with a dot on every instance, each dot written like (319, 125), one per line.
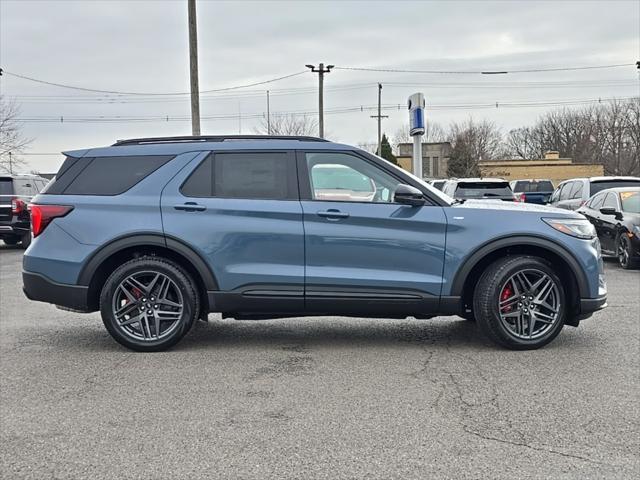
(485, 71)
(116, 92)
(340, 110)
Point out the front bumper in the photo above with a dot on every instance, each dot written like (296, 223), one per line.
(41, 289)
(590, 305)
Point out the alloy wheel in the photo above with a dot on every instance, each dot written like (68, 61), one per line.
(623, 252)
(529, 304)
(147, 306)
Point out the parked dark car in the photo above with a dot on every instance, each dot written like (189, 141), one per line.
(615, 213)
(572, 194)
(16, 191)
(480, 189)
(533, 190)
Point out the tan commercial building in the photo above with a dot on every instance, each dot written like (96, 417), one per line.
(435, 158)
(551, 167)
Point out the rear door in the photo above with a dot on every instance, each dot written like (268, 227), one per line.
(364, 253)
(240, 211)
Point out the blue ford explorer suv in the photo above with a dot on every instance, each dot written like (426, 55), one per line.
(158, 232)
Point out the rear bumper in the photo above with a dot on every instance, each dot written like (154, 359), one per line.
(41, 289)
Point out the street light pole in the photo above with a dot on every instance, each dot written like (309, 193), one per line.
(321, 70)
(193, 69)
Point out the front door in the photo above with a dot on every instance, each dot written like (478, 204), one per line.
(240, 211)
(365, 254)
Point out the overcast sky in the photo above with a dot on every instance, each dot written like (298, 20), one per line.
(142, 46)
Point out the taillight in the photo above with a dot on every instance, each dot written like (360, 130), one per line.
(17, 206)
(522, 197)
(41, 216)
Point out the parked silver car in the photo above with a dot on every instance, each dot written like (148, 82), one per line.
(572, 194)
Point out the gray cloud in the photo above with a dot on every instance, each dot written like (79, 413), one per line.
(142, 46)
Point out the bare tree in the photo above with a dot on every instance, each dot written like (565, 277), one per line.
(288, 124)
(12, 141)
(472, 141)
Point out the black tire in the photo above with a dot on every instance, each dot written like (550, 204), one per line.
(11, 240)
(487, 297)
(624, 252)
(25, 240)
(150, 265)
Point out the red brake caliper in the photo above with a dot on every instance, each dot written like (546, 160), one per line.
(507, 292)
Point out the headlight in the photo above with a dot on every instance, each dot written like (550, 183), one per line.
(636, 230)
(576, 227)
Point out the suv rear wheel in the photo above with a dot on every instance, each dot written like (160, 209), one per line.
(520, 302)
(149, 304)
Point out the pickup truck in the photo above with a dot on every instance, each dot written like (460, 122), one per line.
(532, 190)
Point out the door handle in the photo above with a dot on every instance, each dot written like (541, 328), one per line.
(190, 207)
(332, 214)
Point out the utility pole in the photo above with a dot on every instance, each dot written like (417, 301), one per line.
(379, 117)
(193, 68)
(268, 115)
(321, 70)
(10, 164)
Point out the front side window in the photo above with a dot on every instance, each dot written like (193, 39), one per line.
(346, 178)
(630, 201)
(611, 201)
(596, 202)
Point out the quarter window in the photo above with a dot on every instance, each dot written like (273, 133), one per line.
(112, 175)
(341, 177)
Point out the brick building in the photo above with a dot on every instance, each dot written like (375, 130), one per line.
(435, 158)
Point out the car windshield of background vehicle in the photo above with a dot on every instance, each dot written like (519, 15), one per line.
(630, 202)
(483, 190)
(599, 186)
(6, 186)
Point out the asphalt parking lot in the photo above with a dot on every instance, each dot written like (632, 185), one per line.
(317, 398)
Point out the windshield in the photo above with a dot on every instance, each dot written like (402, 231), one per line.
(599, 186)
(483, 190)
(630, 202)
(534, 186)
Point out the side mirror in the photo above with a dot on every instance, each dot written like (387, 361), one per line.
(608, 211)
(408, 195)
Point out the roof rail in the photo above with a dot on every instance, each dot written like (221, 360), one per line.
(213, 138)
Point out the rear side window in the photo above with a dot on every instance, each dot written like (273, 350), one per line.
(246, 175)
(576, 191)
(566, 189)
(6, 186)
(104, 175)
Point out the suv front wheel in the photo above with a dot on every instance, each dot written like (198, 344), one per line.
(149, 304)
(520, 303)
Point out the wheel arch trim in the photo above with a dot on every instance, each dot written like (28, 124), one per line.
(488, 248)
(147, 239)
